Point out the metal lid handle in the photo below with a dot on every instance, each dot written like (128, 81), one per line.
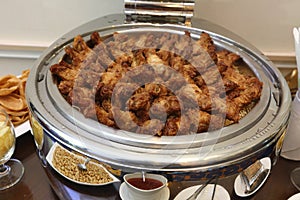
(159, 11)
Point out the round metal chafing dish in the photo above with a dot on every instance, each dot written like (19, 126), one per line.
(225, 152)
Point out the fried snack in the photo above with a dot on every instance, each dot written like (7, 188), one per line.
(187, 84)
(8, 84)
(12, 97)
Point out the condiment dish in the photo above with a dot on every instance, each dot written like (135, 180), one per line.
(150, 189)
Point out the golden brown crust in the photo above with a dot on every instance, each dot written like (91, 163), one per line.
(162, 84)
(207, 43)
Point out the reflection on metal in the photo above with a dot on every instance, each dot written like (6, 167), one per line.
(173, 11)
(237, 146)
(38, 133)
(292, 81)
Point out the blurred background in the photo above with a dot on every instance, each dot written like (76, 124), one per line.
(28, 27)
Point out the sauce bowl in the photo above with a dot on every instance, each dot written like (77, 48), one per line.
(136, 188)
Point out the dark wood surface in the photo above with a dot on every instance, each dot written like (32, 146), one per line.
(35, 183)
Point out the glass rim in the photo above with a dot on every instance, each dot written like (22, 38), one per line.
(4, 113)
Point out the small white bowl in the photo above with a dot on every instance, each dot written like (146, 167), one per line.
(142, 193)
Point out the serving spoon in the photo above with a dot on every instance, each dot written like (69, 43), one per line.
(258, 182)
(144, 176)
(82, 166)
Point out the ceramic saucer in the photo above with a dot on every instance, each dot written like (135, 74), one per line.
(220, 193)
(295, 197)
(240, 186)
(125, 195)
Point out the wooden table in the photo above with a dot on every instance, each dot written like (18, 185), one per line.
(35, 184)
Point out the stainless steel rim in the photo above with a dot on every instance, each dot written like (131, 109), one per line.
(259, 127)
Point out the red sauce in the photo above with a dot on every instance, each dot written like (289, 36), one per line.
(149, 183)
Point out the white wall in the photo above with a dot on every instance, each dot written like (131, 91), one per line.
(40, 22)
(35, 24)
(28, 27)
(267, 24)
